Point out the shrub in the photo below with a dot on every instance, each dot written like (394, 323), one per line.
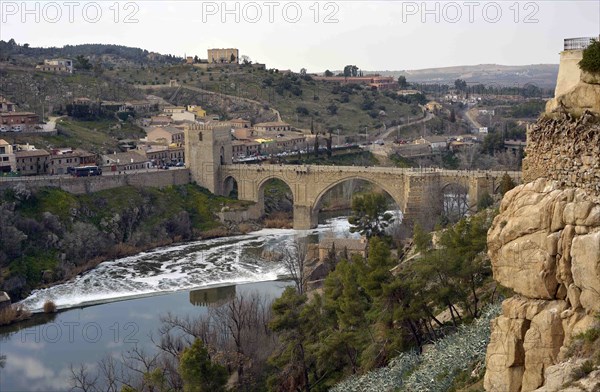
(49, 306)
(13, 313)
(591, 58)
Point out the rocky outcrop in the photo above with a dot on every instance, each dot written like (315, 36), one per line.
(585, 95)
(544, 245)
(565, 149)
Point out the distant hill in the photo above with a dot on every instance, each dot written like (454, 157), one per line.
(542, 75)
(107, 55)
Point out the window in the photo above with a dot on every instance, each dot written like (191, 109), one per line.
(200, 136)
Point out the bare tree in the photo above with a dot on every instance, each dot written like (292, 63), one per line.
(468, 157)
(456, 202)
(294, 259)
(82, 380)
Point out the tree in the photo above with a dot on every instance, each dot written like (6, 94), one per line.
(197, 371)
(350, 70)
(402, 82)
(246, 60)
(506, 183)
(591, 58)
(294, 260)
(460, 85)
(303, 71)
(332, 109)
(452, 115)
(82, 62)
(297, 325)
(232, 59)
(485, 201)
(328, 73)
(368, 215)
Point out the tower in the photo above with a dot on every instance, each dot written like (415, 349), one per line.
(207, 148)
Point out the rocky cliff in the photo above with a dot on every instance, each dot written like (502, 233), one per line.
(545, 245)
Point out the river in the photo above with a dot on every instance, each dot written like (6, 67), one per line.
(118, 304)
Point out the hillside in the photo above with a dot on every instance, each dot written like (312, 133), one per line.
(104, 54)
(542, 75)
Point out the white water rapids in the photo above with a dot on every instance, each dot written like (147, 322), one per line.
(179, 267)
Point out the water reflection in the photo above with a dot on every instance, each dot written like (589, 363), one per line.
(212, 296)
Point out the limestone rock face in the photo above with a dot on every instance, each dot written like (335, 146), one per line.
(545, 245)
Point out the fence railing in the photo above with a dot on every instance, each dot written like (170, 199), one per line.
(579, 43)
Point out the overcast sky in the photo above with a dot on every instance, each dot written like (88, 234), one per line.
(374, 35)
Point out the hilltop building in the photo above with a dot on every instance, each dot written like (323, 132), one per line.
(56, 65)
(223, 56)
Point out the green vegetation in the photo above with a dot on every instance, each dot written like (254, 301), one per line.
(300, 99)
(367, 314)
(369, 217)
(37, 227)
(506, 183)
(591, 58)
(197, 371)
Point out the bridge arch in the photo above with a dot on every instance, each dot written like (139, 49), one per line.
(396, 196)
(230, 187)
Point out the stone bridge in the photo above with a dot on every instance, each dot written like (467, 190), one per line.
(411, 189)
(209, 158)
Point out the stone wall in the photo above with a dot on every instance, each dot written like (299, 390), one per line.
(82, 185)
(545, 246)
(565, 149)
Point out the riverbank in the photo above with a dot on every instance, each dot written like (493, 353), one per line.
(50, 236)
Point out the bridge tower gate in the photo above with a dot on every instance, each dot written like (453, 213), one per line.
(207, 149)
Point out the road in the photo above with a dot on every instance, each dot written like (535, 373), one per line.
(472, 122)
(105, 173)
(383, 151)
(391, 130)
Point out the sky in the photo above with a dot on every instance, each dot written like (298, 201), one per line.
(316, 35)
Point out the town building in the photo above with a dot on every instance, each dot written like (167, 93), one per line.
(7, 158)
(183, 116)
(275, 126)
(56, 65)
(197, 110)
(240, 123)
(375, 81)
(6, 105)
(433, 106)
(63, 158)
(244, 133)
(161, 120)
(165, 135)
(125, 161)
(17, 121)
(437, 143)
(342, 247)
(223, 56)
(32, 162)
(160, 155)
(245, 148)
